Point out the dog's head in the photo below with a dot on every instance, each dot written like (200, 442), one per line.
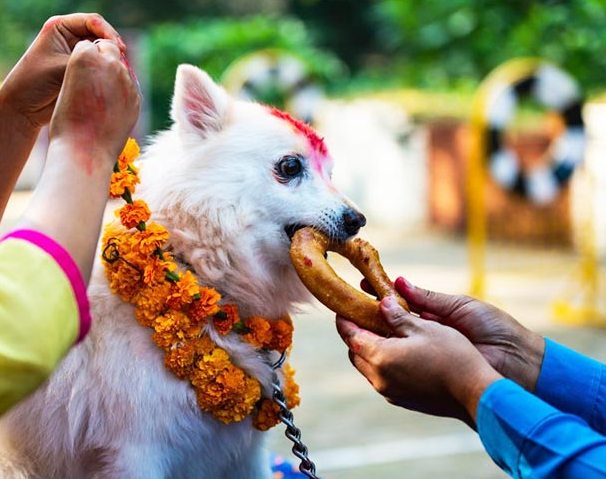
(244, 178)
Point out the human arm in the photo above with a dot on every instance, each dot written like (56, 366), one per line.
(429, 367)
(97, 107)
(529, 438)
(46, 263)
(29, 92)
(565, 379)
(43, 311)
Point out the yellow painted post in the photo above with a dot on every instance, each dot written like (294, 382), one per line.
(475, 196)
(582, 304)
(503, 76)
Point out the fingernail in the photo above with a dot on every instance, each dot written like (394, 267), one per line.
(403, 283)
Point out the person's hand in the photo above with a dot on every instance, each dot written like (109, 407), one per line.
(96, 109)
(425, 366)
(510, 348)
(31, 88)
(98, 104)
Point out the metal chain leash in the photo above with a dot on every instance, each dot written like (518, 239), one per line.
(307, 467)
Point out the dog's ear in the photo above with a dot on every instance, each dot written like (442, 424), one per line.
(199, 104)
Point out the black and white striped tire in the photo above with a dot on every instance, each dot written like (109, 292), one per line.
(556, 90)
(254, 73)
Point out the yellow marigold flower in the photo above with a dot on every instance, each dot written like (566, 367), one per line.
(129, 154)
(120, 181)
(148, 241)
(206, 306)
(217, 359)
(134, 213)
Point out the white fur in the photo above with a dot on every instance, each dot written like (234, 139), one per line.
(111, 410)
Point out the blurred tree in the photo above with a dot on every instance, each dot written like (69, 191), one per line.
(347, 27)
(214, 44)
(437, 43)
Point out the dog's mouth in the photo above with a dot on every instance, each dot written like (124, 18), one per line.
(291, 229)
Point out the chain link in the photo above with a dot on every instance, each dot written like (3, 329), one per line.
(307, 467)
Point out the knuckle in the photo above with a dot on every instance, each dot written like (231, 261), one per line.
(96, 17)
(53, 20)
(382, 387)
(381, 362)
(399, 315)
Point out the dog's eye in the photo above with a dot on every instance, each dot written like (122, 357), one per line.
(289, 167)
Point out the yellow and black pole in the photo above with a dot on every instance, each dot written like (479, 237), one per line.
(502, 77)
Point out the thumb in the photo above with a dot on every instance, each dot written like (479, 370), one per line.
(425, 301)
(400, 320)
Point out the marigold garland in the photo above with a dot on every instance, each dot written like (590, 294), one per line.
(179, 311)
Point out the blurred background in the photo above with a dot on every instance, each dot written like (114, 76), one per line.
(391, 85)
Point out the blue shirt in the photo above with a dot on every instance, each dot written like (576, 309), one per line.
(558, 432)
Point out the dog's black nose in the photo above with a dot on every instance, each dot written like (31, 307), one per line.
(352, 221)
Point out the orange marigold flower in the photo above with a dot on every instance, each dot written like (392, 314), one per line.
(120, 181)
(148, 241)
(154, 271)
(175, 307)
(291, 388)
(134, 213)
(281, 335)
(151, 302)
(206, 306)
(230, 396)
(184, 290)
(224, 320)
(260, 334)
(180, 359)
(266, 415)
(123, 279)
(129, 154)
(172, 328)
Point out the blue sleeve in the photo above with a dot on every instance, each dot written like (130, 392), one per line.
(528, 438)
(573, 383)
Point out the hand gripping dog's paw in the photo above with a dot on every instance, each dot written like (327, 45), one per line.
(308, 255)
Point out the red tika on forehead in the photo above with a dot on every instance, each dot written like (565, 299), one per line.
(307, 131)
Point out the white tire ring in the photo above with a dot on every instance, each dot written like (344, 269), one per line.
(556, 90)
(256, 72)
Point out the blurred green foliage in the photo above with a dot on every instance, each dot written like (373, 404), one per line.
(214, 44)
(434, 44)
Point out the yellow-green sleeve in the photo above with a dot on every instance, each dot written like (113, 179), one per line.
(42, 311)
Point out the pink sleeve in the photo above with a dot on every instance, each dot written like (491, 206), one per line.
(69, 267)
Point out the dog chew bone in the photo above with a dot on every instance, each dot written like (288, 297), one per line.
(308, 255)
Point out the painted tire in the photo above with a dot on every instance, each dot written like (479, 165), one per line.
(249, 76)
(555, 90)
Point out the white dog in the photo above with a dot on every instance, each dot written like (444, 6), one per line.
(231, 181)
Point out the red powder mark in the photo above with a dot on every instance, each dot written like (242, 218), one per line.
(316, 142)
(307, 261)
